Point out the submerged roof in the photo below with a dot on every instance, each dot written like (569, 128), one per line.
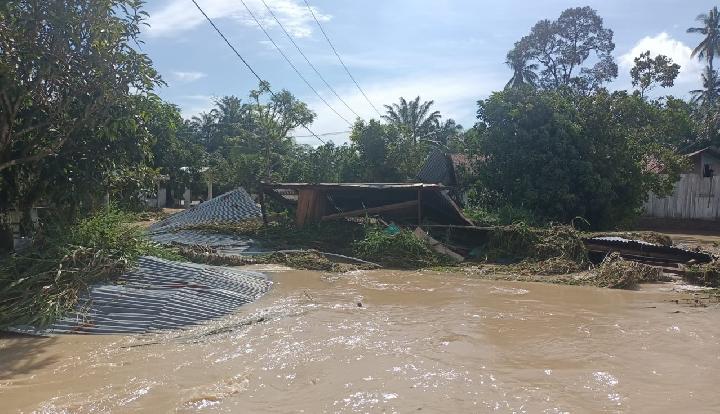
(161, 294)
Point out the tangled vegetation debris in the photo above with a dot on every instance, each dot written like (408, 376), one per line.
(617, 273)
(521, 242)
(43, 282)
(707, 274)
(366, 241)
(298, 259)
(401, 250)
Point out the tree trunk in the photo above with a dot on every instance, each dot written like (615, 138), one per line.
(7, 241)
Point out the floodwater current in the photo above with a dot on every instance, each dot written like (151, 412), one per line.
(390, 342)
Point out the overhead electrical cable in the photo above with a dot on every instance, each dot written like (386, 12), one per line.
(325, 134)
(340, 59)
(313, 134)
(317, 72)
(287, 59)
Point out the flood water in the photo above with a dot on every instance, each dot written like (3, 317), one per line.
(419, 342)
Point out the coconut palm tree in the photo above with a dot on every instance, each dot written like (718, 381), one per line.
(709, 47)
(706, 97)
(523, 73)
(413, 117)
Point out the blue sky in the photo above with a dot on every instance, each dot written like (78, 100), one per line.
(452, 52)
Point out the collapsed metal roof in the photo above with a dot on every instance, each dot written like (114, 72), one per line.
(160, 294)
(232, 207)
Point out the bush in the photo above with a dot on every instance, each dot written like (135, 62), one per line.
(401, 250)
(41, 284)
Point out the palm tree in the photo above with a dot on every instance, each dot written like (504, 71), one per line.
(523, 73)
(414, 117)
(705, 98)
(710, 45)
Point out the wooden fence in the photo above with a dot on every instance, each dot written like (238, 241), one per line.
(694, 197)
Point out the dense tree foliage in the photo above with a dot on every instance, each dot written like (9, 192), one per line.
(647, 72)
(73, 93)
(561, 156)
(565, 48)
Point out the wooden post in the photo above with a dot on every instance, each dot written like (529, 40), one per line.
(263, 209)
(419, 205)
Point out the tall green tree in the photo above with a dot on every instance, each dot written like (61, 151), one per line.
(72, 84)
(414, 118)
(64, 66)
(649, 72)
(709, 47)
(706, 97)
(574, 51)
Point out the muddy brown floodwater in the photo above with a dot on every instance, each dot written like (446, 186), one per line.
(420, 341)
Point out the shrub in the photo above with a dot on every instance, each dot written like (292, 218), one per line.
(401, 250)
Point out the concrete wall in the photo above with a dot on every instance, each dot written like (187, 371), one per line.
(694, 197)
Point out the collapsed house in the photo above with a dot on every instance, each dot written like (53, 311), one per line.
(406, 203)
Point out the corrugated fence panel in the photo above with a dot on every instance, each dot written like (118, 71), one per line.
(694, 197)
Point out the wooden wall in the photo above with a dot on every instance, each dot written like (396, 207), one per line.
(694, 197)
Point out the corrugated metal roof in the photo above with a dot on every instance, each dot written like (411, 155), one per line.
(438, 168)
(160, 294)
(232, 207)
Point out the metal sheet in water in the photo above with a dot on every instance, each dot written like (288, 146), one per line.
(161, 294)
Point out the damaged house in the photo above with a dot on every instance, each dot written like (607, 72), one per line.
(695, 196)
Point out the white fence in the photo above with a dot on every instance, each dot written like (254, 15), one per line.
(694, 197)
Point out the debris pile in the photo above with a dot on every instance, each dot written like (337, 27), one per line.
(617, 273)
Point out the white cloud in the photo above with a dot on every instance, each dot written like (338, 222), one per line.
(181, 15)
(455, 95)
(187, 76)
(662, 43)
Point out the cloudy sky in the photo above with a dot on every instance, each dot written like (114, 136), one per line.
(450, 51)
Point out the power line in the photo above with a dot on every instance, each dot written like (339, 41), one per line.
(340, 59)
(325, 134)
(291, 64)
(245, 62)
(308, 60)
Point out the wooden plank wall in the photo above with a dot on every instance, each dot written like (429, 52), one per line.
(311, 206)
(694, 197)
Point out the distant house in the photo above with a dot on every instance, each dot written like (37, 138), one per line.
(695, 195)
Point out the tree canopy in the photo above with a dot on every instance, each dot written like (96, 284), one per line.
(563, 49)
(72, 86)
